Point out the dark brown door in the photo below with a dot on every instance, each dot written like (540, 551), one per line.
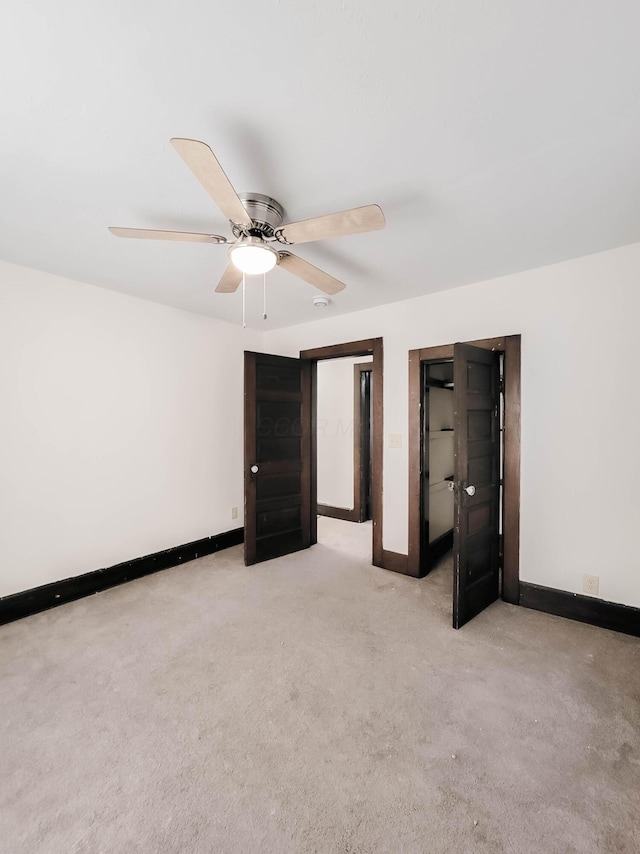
(476, 570)
(277, 456)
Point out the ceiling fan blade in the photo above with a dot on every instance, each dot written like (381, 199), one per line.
(230, 280)
(304, 270)
(354, 221)
(155, 234)
(204, 165)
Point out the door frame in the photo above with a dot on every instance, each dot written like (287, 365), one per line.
(510, 346)
(360, 417)
(358, 512)
(366, 347)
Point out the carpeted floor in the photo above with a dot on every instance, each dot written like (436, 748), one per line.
(313, 704)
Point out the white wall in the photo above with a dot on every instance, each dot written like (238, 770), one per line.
(120, 434)
(335, 431)
(580, 500)
(121, 427)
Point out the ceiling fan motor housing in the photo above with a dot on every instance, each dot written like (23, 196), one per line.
(267, 215)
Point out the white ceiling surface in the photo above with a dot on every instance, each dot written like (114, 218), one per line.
(497, 136)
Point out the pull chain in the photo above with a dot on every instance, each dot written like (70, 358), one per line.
(244, 303)
(264, 302)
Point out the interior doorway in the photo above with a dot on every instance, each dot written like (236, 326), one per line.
(436, 462)
(366, 474)
(344, 402)
(464, 468)
(280, 449)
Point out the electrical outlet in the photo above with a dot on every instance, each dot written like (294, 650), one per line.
(590, 584)
(395, 440)
(234, 512)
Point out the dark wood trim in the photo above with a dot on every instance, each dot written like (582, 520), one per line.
(415, 410)
(360, 466)
(313, 469)
(511, 473)
(366, 347)
(249, 453)
(338, 513)
(432, 354)
(377, 390)
(67, 590)
(445, 351)
(357, 445)
(510, 345)
(309, 532)
(585, 609)
(395, 562)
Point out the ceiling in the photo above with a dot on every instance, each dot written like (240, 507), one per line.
(497, 136)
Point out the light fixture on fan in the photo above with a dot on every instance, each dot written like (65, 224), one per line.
(252, 256)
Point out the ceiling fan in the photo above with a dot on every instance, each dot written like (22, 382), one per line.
(260, 239)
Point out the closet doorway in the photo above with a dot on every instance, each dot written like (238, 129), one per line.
(437, 457)
(464, 468)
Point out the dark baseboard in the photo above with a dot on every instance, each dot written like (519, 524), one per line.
(58, 592)
(338, 513)
(585, 609)
(395, 562)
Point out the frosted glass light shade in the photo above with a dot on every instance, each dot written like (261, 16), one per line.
(253, 258)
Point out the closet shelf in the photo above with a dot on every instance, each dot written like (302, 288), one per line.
(439, 434)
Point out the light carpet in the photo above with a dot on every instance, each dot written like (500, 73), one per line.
(313, 704)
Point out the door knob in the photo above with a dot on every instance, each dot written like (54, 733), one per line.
(470, 490)
(254, 469)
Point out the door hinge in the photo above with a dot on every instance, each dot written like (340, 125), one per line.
(501, 386)
(501, 551)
